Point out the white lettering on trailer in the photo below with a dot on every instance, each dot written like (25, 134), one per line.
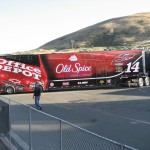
(132, 67)
(17, 67)
(82, 68)
(3, 61)
(36, 76)
(9, 63)
(22, 66)
(7, 68)
(16, 70)
(69, 68)
(63, 68)
(29, 68)
(16, 64)
(27, 73)
(83, 82)
(123, 57)
(36, 70)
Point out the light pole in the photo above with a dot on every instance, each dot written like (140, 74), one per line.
(72, 41)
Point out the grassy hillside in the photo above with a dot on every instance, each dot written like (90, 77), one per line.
(129, 30)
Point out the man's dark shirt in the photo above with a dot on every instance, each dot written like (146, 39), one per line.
(37, 91)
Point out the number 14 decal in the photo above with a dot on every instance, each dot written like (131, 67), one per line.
(132, 67)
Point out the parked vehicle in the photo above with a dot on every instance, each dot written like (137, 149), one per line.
(19, 73)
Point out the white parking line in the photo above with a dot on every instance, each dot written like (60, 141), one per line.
(58, 105)
(123, 117)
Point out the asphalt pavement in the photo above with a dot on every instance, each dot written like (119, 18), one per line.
(2, 146)
(120, 114)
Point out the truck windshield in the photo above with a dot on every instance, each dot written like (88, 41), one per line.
(26, 59)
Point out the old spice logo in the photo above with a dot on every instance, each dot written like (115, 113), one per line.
(76, 68)
(123, 57)
(73, 58)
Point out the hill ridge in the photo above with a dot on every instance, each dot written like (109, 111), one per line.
(129, 30)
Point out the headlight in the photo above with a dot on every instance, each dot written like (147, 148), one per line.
(32, 85)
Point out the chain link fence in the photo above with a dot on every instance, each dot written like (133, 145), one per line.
(25, 128)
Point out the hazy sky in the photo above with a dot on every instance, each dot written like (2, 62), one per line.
(28, 24)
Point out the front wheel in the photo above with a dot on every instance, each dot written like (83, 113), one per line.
(9, 90)
(140, 82)
(146, 81)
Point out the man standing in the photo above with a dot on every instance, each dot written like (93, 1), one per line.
(36, 96)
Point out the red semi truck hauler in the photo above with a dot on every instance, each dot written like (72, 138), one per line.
(19, 73)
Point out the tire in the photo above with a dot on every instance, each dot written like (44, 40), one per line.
(140, 82)
(146, 81)
(9, 90)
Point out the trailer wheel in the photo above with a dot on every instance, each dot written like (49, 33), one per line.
(140, 82)
(9, 90)
(146, 81)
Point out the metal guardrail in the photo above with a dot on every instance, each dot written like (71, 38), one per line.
(31, 129)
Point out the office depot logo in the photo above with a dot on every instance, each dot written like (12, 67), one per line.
(19, 68)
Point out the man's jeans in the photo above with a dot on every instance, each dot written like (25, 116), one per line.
(37, 104)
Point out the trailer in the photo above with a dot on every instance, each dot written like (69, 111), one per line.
(19, 73)
(137, 72)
